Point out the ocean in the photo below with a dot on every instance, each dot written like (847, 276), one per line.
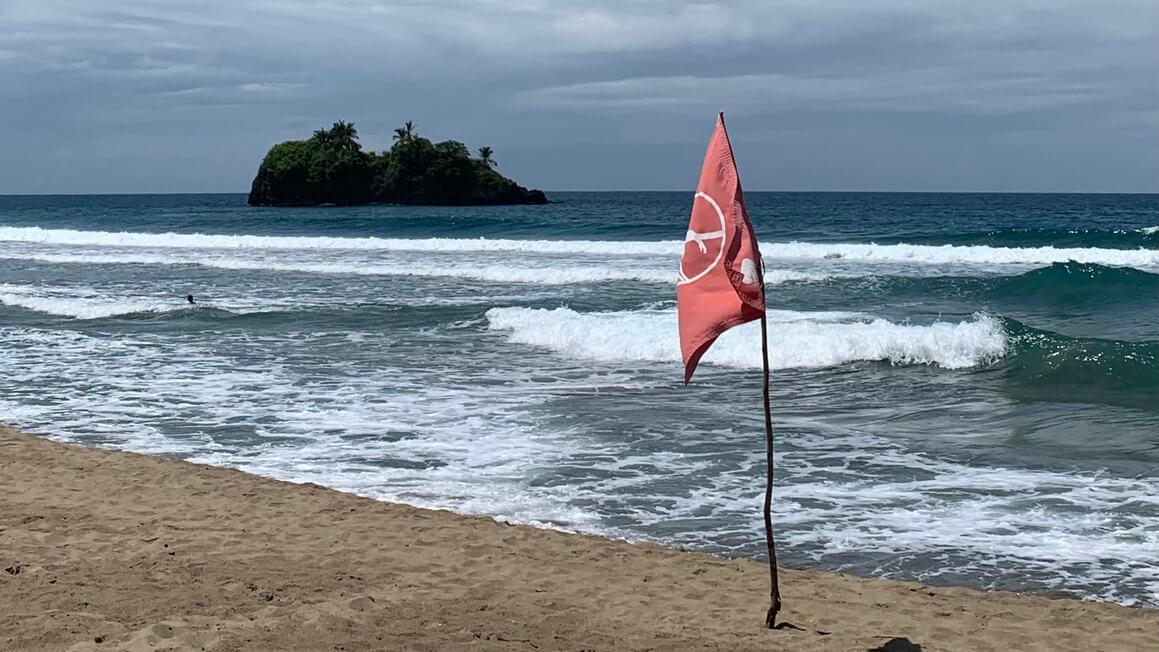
(965, 387)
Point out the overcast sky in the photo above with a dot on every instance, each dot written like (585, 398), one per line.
(979, 95)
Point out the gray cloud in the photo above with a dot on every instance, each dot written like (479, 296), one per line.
(155, 95)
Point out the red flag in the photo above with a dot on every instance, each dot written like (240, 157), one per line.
(721, 280)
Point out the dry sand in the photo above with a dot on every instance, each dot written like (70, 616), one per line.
(102, 550)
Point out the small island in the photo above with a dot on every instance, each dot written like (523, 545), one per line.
(331, 168)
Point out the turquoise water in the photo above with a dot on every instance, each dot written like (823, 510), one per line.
(965, 387)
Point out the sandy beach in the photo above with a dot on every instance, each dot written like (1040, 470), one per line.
(106, 550)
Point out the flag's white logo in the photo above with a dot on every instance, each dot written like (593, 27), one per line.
(748, 270)
(697, 262)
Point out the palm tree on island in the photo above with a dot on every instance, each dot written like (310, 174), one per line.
(344, 135)
(405, 132)
(485, 155)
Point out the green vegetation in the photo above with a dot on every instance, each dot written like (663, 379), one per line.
(331, 168)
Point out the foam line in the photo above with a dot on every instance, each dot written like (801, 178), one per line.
(908, 253)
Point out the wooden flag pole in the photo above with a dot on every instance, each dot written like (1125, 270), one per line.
(774, 585)
(712, 308)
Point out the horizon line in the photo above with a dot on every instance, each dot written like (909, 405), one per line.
(883, 192)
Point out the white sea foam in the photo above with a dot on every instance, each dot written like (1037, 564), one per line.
(39, 235)
(960, 254)
(89, 307)
(537, 272)
(796, 339)
(386, 431)
(839, 495)
(405, 434)
(896, 253)
(93, 303)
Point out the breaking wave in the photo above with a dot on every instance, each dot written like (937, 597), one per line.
(86, 307)
(796, 339)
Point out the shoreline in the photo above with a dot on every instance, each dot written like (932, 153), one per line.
(145, 552)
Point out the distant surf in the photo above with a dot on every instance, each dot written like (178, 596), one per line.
(908, 253)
